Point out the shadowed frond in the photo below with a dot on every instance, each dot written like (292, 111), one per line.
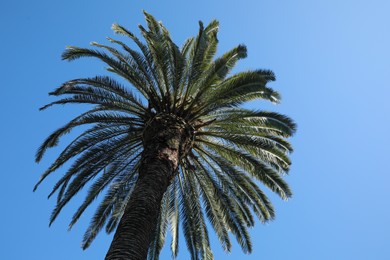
(112, 205)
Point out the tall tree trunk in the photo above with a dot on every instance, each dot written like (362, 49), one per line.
(139, 221)
(163, 144)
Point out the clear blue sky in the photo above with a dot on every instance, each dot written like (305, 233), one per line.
(332, 61)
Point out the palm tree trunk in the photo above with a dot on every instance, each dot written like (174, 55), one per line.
(138, 223)
(165, 139)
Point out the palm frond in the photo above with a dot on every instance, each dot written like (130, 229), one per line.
(116, 198)
(160, 234)
(174, 217)
(194, 226)
(123, 69)
(83, 142)
(87, 167)
(253, 166)
(242, 186)
(92, 116)
(124, 163)
(233, 215)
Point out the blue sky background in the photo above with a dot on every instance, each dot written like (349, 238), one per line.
(332, 61)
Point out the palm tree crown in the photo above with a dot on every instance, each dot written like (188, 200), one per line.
(223, 153)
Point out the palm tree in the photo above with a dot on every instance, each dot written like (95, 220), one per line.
(169, 144)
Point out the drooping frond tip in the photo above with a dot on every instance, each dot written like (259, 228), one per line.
(242, 51)
(121, 30)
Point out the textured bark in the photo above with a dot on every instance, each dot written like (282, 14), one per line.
(166, 139)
